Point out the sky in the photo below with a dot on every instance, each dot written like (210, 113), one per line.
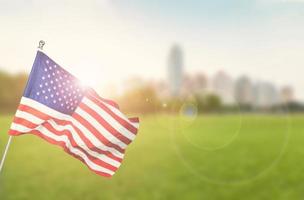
(106, 41)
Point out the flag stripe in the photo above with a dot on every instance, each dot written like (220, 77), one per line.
(86, 113)
(109, 118)
(85, 120)
(114, 112)
(105, 124)
(87, 135)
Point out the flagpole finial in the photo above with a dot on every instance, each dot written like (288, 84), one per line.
(41, 44)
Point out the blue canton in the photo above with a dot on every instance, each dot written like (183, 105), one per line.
(51, 85)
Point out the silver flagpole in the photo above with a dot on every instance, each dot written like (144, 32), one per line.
(41, 44)
(5, 152)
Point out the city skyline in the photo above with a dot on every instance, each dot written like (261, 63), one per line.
(115, 40)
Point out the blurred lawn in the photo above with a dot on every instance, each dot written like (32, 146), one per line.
(209, 157)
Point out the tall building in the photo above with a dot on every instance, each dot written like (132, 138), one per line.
(266, 95)
(243, 91)
(223, 86)
(175, 70)
(195, 84)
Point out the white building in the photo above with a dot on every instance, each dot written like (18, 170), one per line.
(265, 95)
(243, 91)
(175, 70)
(223, 86)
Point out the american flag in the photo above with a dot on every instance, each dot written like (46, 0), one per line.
(56, 107)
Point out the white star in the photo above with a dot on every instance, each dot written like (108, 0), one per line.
(38, 93)
(46, 97)
(43, 77)
(47, 61)
(46, 84)
(45, 69)
(43, 91)
(40, 85)
(54, 101)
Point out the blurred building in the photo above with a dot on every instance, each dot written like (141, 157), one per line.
(175, 70)
(194, 84)
(223, 86)
(287, 94)
(265, 95)
(243, 91)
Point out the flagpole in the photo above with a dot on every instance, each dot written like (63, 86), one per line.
(5, 152)
(41, 44)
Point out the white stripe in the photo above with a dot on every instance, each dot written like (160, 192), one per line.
(136, 124)
(20, 128)
(100, 128)
(113, 109)
(28, 116)
(63, 138)
(53, 113)
(108, 118)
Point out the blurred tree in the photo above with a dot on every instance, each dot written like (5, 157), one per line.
(11, 89)
(140, 100)
(209, 103)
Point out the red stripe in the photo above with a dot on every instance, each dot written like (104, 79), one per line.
(34, 111)
(122, 121)
(74, 144)
(97, 134)
(24, 122)
(134, 119)
(14, 132)
(62, 144)
(96, 95)
(105, 124)
(39, 114)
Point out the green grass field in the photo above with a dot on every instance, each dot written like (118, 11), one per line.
(209, 157)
